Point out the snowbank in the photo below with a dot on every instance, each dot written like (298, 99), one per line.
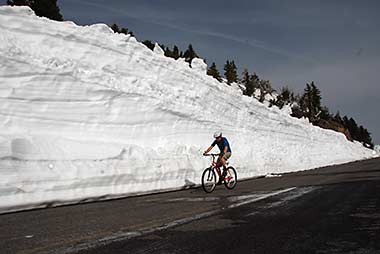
(89, 114)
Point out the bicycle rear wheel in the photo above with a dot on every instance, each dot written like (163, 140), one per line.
(208, 180)
(230, 179)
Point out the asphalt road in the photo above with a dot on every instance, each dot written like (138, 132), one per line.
(327, 210)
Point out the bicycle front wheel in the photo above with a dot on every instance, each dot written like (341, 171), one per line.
(208, 180)
(230, 179)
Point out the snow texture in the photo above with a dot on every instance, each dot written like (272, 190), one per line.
(88, 114)
(377, 149)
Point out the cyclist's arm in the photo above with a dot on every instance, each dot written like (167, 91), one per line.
(208, 150)
(211, 147)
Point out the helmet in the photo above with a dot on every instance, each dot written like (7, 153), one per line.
(217, 134)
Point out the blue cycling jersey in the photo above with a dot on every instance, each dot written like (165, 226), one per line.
(222, 144)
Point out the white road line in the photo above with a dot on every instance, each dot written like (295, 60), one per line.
(260, 198)
(294, 195)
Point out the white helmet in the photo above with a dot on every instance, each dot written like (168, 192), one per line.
(217, 134)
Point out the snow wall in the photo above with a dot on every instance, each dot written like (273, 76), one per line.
(87, 114)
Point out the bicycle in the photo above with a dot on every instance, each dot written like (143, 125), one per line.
(228, 177)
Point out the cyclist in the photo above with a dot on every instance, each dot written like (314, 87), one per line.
(224, 147)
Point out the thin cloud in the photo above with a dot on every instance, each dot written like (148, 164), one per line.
(248, 42)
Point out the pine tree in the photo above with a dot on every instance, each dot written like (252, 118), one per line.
(47, 8)
(18, 2)
(149, 44)
(310, 102)
(230, 72)
(42, 8)
(190, 54)
(250, 82)
(285, 97)
(265, 88)
(171, 53)
(338, 118)
(358, 133)
(226, 69)
(315, 97)
(168, 52)
(345, 121)
(245, 81)
(234, 76)
(175, 52)
(115, 28)
(124, 31)
(365, 137)
(353, 128)
(213, 71)
(324, 113)
(305, 101)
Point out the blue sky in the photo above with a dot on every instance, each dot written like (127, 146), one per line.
(334, 43)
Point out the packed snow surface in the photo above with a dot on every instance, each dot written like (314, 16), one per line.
(89, 114)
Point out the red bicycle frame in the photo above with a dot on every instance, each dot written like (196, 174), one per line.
(215, 164)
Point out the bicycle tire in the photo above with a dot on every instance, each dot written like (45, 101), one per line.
(232, 182)
(208, 180)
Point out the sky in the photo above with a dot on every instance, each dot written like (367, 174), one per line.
(334, 43)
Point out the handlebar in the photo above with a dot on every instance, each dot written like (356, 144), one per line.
(212, 154)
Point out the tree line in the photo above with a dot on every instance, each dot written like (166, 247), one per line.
(307, 105)
(189, 54)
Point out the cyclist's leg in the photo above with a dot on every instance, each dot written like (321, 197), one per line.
(219, 169)
(223, 162)
(220, 174)
(224, 159)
